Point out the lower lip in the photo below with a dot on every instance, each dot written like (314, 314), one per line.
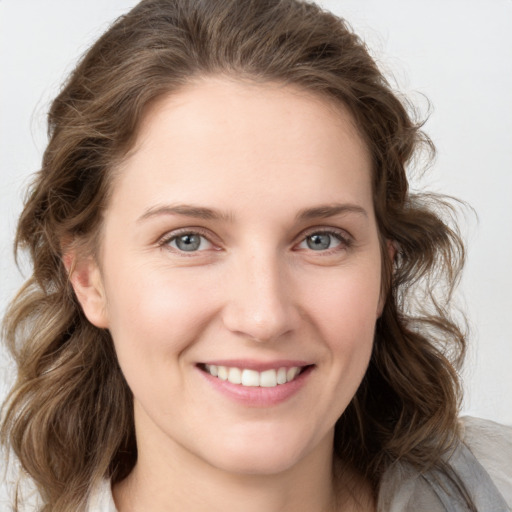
(252, 396)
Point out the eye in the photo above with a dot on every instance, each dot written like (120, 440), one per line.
(188, 242)
(324, 240)
(320, 241)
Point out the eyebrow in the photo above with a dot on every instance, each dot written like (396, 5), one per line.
(198, 212)
(201, 212)
(330, 210)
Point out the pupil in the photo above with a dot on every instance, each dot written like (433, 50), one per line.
(188, 242)
(319, 242)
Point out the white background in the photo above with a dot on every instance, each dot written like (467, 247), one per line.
(456, 52)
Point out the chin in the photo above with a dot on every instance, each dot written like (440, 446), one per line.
(257, 463)
(263, 454)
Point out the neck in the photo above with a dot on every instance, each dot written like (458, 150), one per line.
(174, 484)
(168, 477)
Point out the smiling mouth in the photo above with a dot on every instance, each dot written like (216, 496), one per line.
(252, 378)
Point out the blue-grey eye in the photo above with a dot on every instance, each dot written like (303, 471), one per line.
(320, 241)
(189, 242)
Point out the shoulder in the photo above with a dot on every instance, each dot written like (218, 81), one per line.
(101, 499)
(16, 487)
(491, 444)
(482, 463)
(403, 489)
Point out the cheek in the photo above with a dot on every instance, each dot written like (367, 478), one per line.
(343, 309)
(153, 321)
(152, 314)
(351, 298)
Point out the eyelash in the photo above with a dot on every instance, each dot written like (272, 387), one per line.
(341, 236)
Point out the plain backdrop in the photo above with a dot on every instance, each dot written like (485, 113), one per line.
(456, 53)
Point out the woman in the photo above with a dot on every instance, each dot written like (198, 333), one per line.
(232, 284)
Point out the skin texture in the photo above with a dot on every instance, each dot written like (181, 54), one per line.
(259, 156)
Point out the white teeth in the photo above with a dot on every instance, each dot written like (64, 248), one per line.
(235, 376)
(281, 376)
(222, 373)
(291, 373)
(268, 379)
(250, 378)
(253, 378)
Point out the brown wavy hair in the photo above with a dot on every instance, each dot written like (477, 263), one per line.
(69, 416)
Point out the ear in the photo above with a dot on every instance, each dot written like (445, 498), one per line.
(391, 250)
(85, 277)
(391, 246)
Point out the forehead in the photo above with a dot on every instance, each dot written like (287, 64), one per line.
(247, 106)
(223, 137)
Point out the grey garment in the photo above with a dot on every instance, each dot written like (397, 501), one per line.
(485, 443)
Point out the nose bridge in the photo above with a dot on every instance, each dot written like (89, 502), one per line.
(259, 304)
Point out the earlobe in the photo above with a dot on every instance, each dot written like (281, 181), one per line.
(85, 278)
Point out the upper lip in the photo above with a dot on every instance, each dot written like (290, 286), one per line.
(259, 366)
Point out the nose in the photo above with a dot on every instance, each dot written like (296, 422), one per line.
(260, 306)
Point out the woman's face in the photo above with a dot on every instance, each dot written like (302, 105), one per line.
(240, 243)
